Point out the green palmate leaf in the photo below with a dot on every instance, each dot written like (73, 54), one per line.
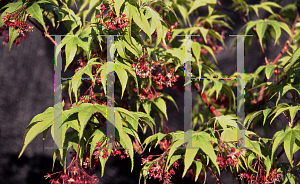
(85, 111)
(190, 154)
(199, 167)
(172, 160)
(218, 86)
(293, 59)
(97, 136)
(123, 77)
(61, 44)
(161, 105)
(12, 6)
(156, 24)
(249, 118)
(59, 135)
(177, 53)
(129, 114)
(204, 32)
(132, 49)
(205, 83)
(254, 145)
(278, 111)
(229, 135)
(44, 136)
(258, 70)
(75, 81)
(148, 140)
(183, 12)
(35, 12)
(131, 72)
(128, 13)
(146, 118)
(288, 136)
(261, 29)
(249, 25)
(229, 92)
(267, 6)
(196, 47)
(261, 26)
(266, 113)
(196, 4)
(71, 48)
(250, 159)
(54, 158)
(269, 70)
(118, 4)
(41, 122)
(13, 34)
(121, 136)
(147, 106)
(289, 177)
(199, 69)
(175, 145)
(169, 97)
(293, 111)
(289, 141)
(277, 31)
(102, 163)
(202, 139)
(71, 20)
(127, 143)
(225, 121)
(120, 46)
(285, 89)
(140, 19)
(210, 51)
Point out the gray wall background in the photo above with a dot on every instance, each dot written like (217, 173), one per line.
(26, 85)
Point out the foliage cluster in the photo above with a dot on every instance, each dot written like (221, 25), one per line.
(149, 56)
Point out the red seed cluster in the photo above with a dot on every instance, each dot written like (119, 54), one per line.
(111, 20)
(143, 68)
(230, 158)
(80, 174)
(4, 30)
(16, 20)
(169, 79)
(147, 95)
(74, 174)
(156, 169)
(260, 177)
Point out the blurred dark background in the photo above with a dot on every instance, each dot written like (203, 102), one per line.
(26, 85)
